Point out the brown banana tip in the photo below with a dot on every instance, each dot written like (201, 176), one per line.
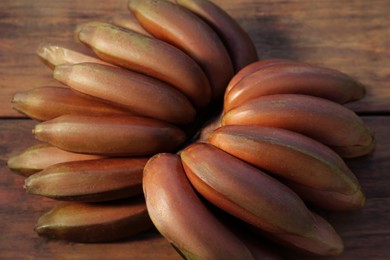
(78, 29)
(26, 185)
(42, 49)
(62, 72)
(36, 130)
(39, 229)
(18, 97)
(360, 198)
(85, 32)
(11, 162)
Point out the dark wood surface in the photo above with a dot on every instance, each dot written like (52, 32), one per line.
(352, 36)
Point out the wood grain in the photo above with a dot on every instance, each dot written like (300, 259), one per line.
(352, 36)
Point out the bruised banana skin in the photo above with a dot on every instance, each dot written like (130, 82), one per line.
(129, 22)
(183, 29)
(95, 222)
(323, 120)
(295, 78)
(128, 90)
(53, 55)
(46, 103)
(238, 43)
(41, 156)
(293, 157)
(110, 135)
(258, 199)
(89, 181)
(183, 219)
(148, 56)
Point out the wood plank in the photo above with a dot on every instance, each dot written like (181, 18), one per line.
(351, 36)
(366, 232)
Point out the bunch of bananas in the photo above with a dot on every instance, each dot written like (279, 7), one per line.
(130, 142)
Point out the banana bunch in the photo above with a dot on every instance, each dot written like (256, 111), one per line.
(174, 122)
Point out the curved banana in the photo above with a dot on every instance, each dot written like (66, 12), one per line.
(182, 218)
(238, 43)
(129, 22)
(53, 55)
(290, 156)
(258, 199)
(326, 121)
(129, 90)
(178, 26)
(95, 222)
(251, 68)
(295, 78)
(41, 156)
(47, 103)
(89, 181)
(149, 56)
(110, 135)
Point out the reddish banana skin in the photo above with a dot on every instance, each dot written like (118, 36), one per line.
(41, 156)
(295, 78)
(46, 103)
(128, 90)
(251, 68)
(328, 200)
(53, 55)
(183, 219)
(128, 21)
(90, 180)
(238, 43)
(258, 199)
(323, 120)
(183, 29)
(110, 135)
(291, 156)
(95, 222)
(148, 56)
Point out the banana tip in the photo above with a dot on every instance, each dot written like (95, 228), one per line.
(85, 32)
(12, 162)
(62, 72)
(18, 97)
(42, 49)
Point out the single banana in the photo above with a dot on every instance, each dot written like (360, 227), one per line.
(129, 22)
(238, 43)
(95, 222)
(149, 56)
(258, 199)
(182, 218)
(41, 156)
(89, 181)
(291, 156)
(326, 121)
(129, 90)
(53, 55)
(295, 78)
(45, 103)
(110, 135)
(183, 29)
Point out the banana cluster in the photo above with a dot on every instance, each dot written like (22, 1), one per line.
(129, 141)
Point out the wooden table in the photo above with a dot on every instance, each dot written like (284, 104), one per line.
(352, 36)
